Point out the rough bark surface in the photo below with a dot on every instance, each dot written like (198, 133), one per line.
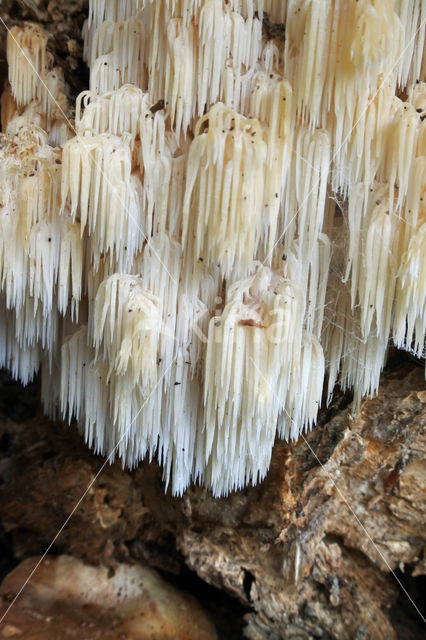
(309, 551)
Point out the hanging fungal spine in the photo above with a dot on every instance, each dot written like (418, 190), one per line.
(239, 213)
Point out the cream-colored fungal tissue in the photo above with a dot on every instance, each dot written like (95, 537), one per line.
(229, 221)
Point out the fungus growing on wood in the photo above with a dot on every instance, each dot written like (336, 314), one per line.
(245, 219)
(26, 57)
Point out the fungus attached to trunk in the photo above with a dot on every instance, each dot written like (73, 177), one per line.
(239, 213)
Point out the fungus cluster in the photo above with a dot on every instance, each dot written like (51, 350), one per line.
(234, 213)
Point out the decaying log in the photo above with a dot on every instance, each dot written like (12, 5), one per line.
(308, 553)
(310, 550)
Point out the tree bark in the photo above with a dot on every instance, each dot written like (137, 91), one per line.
(309, 551)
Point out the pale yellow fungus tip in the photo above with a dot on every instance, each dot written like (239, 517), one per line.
(239, 214)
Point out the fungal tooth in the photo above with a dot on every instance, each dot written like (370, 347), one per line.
(240, 211)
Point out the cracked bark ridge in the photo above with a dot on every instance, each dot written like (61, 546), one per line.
(309, 550)
(318, 542)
